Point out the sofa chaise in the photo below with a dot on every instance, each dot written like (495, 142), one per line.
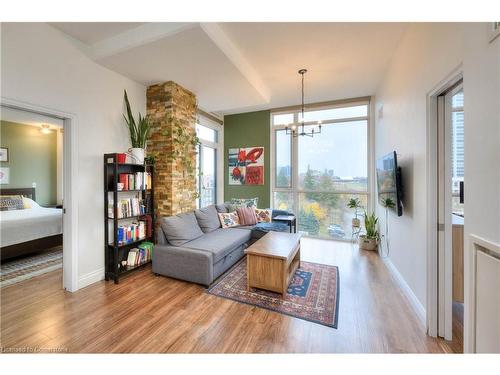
(193, 247)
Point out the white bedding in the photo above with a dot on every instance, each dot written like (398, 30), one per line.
(29, 224)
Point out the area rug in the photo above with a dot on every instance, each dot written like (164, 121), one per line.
(313, 293)
(17, 270)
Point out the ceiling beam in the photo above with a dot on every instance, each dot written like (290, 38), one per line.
(233, 53)
(136, 37)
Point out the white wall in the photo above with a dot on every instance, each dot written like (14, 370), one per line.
(427, 54)
(41, 67)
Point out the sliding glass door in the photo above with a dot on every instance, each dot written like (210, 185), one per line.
(316, 176)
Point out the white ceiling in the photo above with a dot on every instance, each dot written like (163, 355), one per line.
(237, 67)
(92, 32)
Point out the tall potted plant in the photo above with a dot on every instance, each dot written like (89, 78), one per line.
(355, 204)
(139, 132)
(369, 241)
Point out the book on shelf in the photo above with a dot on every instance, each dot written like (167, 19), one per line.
(140, 255)
(127, 208)
(131, 233)
(135, 181)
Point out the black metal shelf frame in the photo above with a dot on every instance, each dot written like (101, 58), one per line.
(114, 253)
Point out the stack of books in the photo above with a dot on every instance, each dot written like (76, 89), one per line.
(135, 181)
(131, 232)
(127, 208)
(140, 255)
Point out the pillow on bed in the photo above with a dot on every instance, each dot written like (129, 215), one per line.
(11, 203)
(29, 203)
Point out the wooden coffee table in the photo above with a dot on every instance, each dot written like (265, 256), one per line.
(272, 261)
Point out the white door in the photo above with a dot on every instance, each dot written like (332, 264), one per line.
(447, 122)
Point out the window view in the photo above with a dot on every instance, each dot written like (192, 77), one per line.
(457, 121)
(330, 168)
(206, 165)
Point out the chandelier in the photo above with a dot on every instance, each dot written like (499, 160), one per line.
(299, 130)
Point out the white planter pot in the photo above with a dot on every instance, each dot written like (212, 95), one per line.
(137, 155)
(367, 243)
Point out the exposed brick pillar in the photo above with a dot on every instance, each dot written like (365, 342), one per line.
(170, 106)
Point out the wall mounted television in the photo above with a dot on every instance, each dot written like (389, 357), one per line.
(389, 183)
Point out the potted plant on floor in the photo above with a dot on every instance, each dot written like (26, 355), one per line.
(139, 133)
(369, 241)
(355, 204)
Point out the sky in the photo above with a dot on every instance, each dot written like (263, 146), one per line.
(341, 147)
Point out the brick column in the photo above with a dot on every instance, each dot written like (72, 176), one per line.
(169, 106)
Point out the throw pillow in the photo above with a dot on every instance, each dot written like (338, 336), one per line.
(264, 216)
(181, 228)
(229, 219)
(207, 218)
(11, 203)
(243, 202)
(247, 215)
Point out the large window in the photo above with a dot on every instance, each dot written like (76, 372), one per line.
(209, 150)
(316, 176)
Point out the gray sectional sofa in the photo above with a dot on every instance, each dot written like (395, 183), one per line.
(193, 246)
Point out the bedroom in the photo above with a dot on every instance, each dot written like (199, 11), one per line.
(31, 196)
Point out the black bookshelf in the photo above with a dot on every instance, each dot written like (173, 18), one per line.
(115, 253)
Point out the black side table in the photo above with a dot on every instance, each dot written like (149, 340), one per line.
(291, 220)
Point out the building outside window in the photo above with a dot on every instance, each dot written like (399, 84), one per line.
(457, 123)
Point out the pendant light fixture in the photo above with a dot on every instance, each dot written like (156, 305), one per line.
(299, 130)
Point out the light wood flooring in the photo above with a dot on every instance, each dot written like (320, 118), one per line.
(145, 313)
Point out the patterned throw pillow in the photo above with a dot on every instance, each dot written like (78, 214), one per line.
(11, 203)
(228, 220)
(264, 216)
(243, 202)
(247, 215)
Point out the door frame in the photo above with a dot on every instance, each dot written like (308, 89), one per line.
(70, 183)
(432, 302)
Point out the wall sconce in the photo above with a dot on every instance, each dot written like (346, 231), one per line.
(45, 129)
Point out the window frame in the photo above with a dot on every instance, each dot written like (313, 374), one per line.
(294, 188)
(218, 145)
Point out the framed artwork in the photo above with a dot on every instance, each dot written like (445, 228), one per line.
(4, 175)
(246, 166)
(4, 154)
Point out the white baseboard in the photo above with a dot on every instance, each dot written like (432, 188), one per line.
(90, 278)
(412, 298)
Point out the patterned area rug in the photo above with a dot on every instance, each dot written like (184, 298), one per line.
(21, 269)
(313, 293)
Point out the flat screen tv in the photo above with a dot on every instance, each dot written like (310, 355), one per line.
(389, 181)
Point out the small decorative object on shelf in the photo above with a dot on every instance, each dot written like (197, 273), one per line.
(128, 224)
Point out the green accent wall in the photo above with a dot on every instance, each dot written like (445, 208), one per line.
(247, 130)
(32, 158)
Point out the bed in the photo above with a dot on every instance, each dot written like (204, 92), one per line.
(28, 230)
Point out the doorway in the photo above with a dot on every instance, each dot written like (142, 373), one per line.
(66, 198)
(446, 214)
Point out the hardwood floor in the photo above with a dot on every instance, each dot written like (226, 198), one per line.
(145, 313)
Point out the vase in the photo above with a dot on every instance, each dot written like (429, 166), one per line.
(367, 243)
(137, 155)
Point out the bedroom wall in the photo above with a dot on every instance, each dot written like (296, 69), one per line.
(42, 67)
(427, 54)
(32, 159)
